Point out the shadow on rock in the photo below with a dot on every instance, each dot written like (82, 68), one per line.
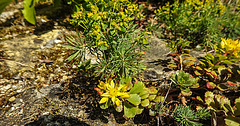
(56, 120)
(161, 62)
(81, 90)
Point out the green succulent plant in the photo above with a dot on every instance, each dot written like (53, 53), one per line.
(222, 106)
(215, 69)
(124, 96)
(185, 81)
(142, 97)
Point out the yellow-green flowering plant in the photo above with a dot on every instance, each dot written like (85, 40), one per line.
(112, 93)
(217, 69)
(201, 22)
(131, 98)
(230, 46)
(109, 33)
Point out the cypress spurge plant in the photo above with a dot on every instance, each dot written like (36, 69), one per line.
(185, 81)
(109, 33)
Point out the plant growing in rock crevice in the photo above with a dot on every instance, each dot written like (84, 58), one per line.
(131, 99)
(187, 117)
(221, 106)
(110, 35)
(185, 81)
(217, 68)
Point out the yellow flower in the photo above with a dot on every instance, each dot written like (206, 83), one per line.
(231, 46)
(112, 92)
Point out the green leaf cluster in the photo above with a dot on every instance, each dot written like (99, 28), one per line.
(185, 81)
(140, 98)
(110, 35)
(201, 22)
(222, 106)
(187, 117)
(215, 69)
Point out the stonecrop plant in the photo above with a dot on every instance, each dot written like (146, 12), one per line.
(131, 98)
(221, 106)
(185, 81)
(111, 92)
(230, 46)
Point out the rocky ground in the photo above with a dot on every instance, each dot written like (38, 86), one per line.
(39, 88)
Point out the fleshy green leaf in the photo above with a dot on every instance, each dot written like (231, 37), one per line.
(139, 110)
(152, 90)
(29, 11)
(222, 87)
(190, 58)
(189, 63)
(144, 94)
(198, 68)
(197, 73)
(159, 99)
(145, 102)
(232, 121)
(137, 88)
(152, 112)
(186, 92)
(105, 105)
(237, 107)
(152, 97)
(129, 110)
(172, 66)
(227, 62)
(134, 99)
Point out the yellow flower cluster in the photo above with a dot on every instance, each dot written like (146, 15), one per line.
(195, 5)
(101, 13)
(231, 46)
(112, 92)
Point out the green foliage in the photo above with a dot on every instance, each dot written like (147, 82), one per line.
(128, 97)
(214, 69)
(28, 10)
(201, 22)
(185, 81)
(217, 68)
(3, 4)
(108, 32)
(143, 97)
(187, 117)
(219, 103)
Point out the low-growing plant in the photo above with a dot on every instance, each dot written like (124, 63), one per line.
(185, 81)
(181, 57)
(217, 68)
(126, 97)
(187, 117)
(109, 34)
(222, 106)
(201, 22)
